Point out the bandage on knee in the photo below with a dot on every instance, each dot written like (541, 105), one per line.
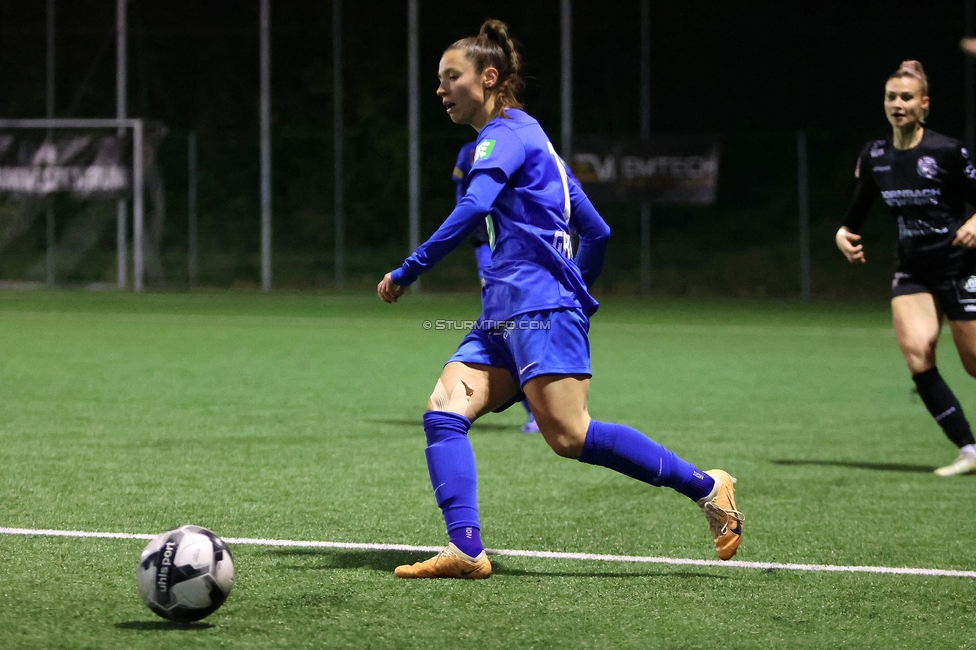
(455, 402)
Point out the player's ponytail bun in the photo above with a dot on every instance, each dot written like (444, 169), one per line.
(914, 70)
(494, 47)
(497, 32)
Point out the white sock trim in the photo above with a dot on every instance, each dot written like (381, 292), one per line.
(462, 554)
(712, 494)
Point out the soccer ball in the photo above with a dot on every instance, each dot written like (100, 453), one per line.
(185, 574)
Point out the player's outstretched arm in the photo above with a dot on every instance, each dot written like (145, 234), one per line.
(467, 214)
(847, 242)
(388, 290)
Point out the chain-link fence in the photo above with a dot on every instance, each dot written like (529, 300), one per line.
(746, 245)
(739, 72)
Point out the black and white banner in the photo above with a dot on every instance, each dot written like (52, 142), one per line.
(668, 170)
(82, 165)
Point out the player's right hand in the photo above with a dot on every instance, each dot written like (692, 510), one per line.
(847, 243)
(388, 290)
(966, 235)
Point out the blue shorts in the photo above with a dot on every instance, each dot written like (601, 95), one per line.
(530, 345)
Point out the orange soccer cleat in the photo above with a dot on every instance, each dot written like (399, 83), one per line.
(449, 563)
(723, 519)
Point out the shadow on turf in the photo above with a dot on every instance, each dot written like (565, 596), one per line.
(484, 426)
(386, 561)
(502, 570)
(885, 467)
(162, 625)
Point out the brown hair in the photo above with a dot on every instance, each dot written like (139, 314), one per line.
(914, 70)
(494, 47)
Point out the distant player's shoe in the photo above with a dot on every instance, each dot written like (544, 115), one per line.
(723, 519)
(965, 464)
(449, 563)
(530, 426)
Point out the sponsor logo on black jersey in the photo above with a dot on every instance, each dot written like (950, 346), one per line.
(927, 167)
(881, 168)
(969, 171)
(914, 227)
(898, 198)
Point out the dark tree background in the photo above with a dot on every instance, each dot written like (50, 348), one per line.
(752, 72)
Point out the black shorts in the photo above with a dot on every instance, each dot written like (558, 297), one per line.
(955, 297)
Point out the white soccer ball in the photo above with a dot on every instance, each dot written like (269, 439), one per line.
(185, 574)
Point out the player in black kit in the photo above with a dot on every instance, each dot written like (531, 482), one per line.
(925, 179)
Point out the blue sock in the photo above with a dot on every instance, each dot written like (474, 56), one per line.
(468, 540)
(450, 461)
(633, 454)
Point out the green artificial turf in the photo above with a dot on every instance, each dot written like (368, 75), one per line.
(298, 417)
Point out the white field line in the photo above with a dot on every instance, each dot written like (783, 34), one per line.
(548, 555)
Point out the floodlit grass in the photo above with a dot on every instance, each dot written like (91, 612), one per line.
(298, 417)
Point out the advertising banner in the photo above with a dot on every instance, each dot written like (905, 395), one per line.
(667, 170)
(81, 165)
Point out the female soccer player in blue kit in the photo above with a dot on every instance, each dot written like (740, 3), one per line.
(481, 242)
(532, 334)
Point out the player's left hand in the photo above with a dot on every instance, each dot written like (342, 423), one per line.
(966, 235)
(388, 290)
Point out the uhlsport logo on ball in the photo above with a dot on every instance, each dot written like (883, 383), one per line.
(185, 574)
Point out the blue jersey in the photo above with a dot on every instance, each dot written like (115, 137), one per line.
(462, 168)
(460, 175)
(519, 180)
(532, 265)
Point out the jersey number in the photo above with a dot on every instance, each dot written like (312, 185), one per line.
(564, 179)
(560, 239)
(563, 244)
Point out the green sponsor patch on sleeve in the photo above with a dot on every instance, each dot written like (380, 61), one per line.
(484, 149)
(490, 226)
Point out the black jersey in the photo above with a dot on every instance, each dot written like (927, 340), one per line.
(925, 189)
